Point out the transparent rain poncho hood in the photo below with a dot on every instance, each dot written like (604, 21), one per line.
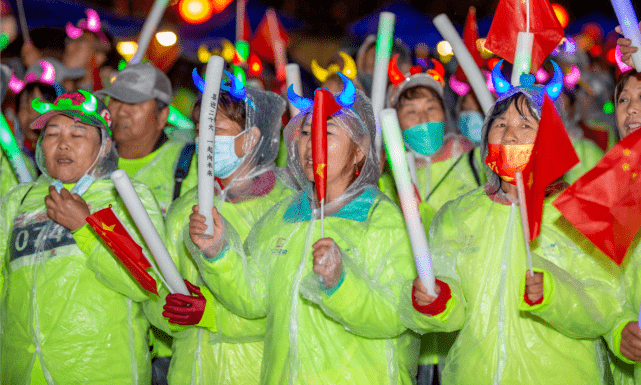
(84, 107)
(263, 109)
(359, 125)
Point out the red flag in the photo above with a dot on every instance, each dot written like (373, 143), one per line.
(552, 156)
(247, 29)
(470, 36)
(108, 227)
(605, 203)
(262, 43)
(510, 19)
(324, 106)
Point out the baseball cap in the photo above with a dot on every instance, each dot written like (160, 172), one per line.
(138, 83)
(80, 105)
(60, 72)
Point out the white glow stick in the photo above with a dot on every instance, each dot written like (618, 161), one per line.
(240, 19)
(522, 57)
(148, 29)
(26, 39)
(630, 27)
(280, 57)
(293, 77)
(465, 60)
(206, 143)
(12, 151)
(524, 220)
(391, 131)
(148, 231)
(384, 42)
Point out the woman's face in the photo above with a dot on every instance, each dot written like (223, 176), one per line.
(343, 156)
(424, 108)
(514, 128)
(70, 148)
(26, 114)
(628, 112)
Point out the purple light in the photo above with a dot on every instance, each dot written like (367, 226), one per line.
(72, 31)
(572, 77)
(542, 75)
(93, 20)
(16, 84)
(461, 88)
(488, 82)
(48, 73)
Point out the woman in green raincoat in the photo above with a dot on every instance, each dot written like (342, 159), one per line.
(215, 346)
(331, 303)
(61, 323)
(519, 328)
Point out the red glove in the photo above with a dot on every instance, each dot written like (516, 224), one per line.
(183, 309)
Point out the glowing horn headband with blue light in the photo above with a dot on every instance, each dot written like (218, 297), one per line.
(502, 86)
(237, 90)
(346, 98)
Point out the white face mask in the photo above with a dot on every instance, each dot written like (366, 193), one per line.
(225, 159)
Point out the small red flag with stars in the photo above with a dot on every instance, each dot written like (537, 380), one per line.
(605, 203)
(116, 237)
(552, 156)
(470, 36)
(324, 106)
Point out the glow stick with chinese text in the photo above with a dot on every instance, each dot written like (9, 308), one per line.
(293, 78)
(148, 29)
(206, 145)
(384, 43)
(524, 220)
(465, 60)
(137, 211)
(12, 151)
(630, 27)
(391, 131)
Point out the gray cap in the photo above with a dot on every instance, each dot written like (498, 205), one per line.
(138, 83)
(420, 79)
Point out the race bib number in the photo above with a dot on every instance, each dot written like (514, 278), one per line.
(27, 237)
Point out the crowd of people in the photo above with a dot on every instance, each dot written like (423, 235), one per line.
(272, 301)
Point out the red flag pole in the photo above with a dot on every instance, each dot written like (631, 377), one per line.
(524, 219)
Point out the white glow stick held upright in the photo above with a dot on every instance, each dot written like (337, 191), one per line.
(522, 57)
(148, 29)
(206, 143)
(465, 60)
(384, 42)
(391, 131)
(240, 19)
(293, 77)
(630, 27)
(148, 231)
(524, 218)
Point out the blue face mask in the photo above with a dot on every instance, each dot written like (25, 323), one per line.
(225, 159)
(471, 124)
(425, 138)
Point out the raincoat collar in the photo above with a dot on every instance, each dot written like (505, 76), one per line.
(357, 210)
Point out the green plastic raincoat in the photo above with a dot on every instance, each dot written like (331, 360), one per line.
(589, 155)
(58, 320)
(477, 242)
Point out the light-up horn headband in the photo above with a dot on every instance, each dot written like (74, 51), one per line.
(236, 88)
(553, 88)
(91, 24)
(397, 77)
(349, 68)
(346, 97)
(48, 76)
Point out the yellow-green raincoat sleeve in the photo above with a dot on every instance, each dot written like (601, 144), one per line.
(109, 270)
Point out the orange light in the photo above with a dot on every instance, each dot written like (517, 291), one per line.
(220, 5)
(561, 14)
(195, 11)
(255, 65)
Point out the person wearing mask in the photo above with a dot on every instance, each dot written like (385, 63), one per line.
(216, 345)
(61, 322)
(520, 327)
(331, 303)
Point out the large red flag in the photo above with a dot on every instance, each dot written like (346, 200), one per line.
(470, 36)
(552, 156)
(605, 203)
(108, 227)
(324, 106)
(510, 19)
(262, 43)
